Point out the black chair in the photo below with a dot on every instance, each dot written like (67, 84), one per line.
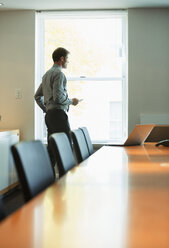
(88, 140)
(33, 166)
(80, 145)
(62, 152)
(2, 213)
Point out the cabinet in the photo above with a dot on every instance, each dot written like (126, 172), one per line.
(8, 175)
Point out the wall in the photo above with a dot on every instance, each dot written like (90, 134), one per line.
(17, 63)
(148, 66)
(148, 51)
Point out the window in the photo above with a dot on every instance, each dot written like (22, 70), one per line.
(97, 69)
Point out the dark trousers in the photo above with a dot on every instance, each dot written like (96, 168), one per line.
(57, 121)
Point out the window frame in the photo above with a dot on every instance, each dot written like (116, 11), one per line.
(39, 63)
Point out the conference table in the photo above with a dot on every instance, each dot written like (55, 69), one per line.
(118, 197)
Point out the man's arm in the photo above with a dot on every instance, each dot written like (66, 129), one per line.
(39, 98)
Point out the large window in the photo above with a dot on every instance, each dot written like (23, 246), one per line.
(97, 69)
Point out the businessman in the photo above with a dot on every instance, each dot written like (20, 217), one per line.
(52, 96)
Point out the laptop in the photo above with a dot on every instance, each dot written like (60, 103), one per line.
(159, 132)
(137, 136)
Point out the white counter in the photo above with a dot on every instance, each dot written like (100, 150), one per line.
(8, 175)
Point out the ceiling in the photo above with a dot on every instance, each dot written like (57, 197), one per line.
(81, 4)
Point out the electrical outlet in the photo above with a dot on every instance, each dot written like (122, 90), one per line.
(18, 93)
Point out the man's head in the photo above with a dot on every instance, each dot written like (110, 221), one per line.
(60, 57)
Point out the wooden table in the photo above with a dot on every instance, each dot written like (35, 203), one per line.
(117, 198)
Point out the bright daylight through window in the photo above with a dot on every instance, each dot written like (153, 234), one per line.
(97, 69)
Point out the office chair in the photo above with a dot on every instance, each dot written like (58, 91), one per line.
(2, 213)
(62, 152)
(33, 166)
(88, 140)
(80, 145)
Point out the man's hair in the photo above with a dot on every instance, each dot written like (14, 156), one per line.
(58, 53)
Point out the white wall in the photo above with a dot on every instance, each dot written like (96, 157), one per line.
(148, 49)
(17, 63)
(148, 66)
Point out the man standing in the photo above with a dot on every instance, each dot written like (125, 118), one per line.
(52, 97)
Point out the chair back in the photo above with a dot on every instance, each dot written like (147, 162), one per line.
(80, 145)
(62, 152)
(33, 166)
(88, 140)
(2, 213)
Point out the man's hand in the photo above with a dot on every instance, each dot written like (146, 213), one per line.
(75, 101)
